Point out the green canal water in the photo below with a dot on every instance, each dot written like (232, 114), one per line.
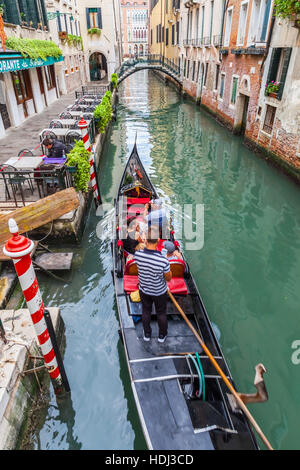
(247, 271)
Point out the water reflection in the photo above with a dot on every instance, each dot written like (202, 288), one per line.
(247, 271)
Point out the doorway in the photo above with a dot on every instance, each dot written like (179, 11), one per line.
(240, 122)
(41, 83)
(98, 67)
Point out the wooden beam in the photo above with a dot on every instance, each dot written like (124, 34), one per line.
(39, 213)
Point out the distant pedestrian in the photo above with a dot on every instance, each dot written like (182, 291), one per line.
(153, 273)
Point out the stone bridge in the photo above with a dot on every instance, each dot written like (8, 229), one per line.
(150, 62)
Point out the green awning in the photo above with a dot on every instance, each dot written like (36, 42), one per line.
(14, 64)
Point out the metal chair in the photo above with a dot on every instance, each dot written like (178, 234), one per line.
(90, 109)
(49, 134)
(71, 136)
(16, 178)
(65, 115)
(25, 153)
(76, 124)
(55, 124)
(69, 147)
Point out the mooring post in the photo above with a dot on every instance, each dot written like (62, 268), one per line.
(19, 248)
(86, 140)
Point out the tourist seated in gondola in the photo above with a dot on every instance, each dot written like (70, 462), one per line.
(155, 214)
(133, 241)
(170, 251)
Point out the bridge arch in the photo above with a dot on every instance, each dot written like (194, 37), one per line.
(151, 62)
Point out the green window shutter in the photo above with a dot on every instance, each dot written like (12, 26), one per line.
(274, 63)
(11, 12)
(99, 13)
(286, 61)
(32, 13)
(266, 21)
(88, 23)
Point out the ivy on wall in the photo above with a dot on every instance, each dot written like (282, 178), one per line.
(34, 48)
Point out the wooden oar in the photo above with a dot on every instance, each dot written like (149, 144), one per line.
(223, 376)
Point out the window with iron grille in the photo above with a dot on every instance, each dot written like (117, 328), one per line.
(269, 119)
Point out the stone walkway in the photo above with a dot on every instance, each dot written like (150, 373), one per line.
(27, 134)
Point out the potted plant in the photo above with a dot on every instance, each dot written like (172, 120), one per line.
(272, 89)
(63, 35)
(39, 26)
(23, 18)
(289, 9)
(31, 24)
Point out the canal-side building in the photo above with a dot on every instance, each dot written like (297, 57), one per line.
(100, 24)
(27, 84)
(202, 24)
(276, 127)
(135, 27)
(165, 29)
(245, 40)
(64, 27)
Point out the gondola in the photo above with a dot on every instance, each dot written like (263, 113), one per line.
(182, 402)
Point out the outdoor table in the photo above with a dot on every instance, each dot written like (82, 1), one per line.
(78, 114)
(69, 123)
(83, 107)
(25, 163)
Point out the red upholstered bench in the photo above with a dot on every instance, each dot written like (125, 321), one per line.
(137, 200)
(177, 284)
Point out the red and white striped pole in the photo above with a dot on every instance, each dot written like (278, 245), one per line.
(93, 179)
(19, 248)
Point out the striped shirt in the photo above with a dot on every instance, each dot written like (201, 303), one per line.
(152, 266)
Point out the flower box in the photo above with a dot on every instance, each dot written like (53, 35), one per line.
(63, 35)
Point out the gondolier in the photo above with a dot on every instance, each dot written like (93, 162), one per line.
(154, 272)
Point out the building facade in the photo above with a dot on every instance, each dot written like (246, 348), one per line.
(64, 27)
(277, 120)
(100, 24)
(26, 85)
(200, 48)
(165, 29)
(135, 27)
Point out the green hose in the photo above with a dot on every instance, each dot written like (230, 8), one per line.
(199, 374)
(202, 374)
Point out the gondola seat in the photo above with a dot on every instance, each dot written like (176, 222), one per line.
(177, 284)
(137, 200)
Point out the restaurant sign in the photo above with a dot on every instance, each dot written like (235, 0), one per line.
(11, 65)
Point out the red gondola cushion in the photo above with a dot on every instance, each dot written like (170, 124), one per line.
(131, 283)
(137, 200)
(177, 285)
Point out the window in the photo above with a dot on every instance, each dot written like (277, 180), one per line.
(222, 85)
(22, 85)
(269, 119)
(217, 74)
(188, 69)
(211, 19)
(167, 36)
(279, 64)
(242, 23)
(205, 74)
(202, 21)
(194, 67)
(94, 18)
(234, 89)
(50, 76)
(177, 32)
(173, 34)
(228, 26)
(260, 16)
